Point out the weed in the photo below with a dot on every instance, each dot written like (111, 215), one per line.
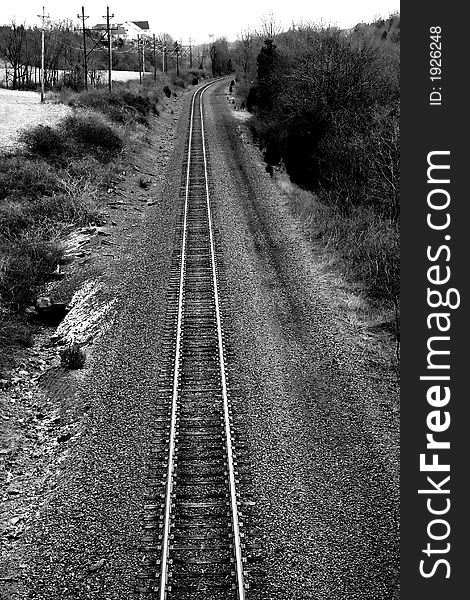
(73, 357)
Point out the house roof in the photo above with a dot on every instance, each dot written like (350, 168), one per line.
(142, 24)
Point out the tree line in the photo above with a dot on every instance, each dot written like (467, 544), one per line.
(20, 50)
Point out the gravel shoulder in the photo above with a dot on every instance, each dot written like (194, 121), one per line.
(321, 404)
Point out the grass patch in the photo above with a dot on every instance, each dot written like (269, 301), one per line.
(26, 179)
(55, 184)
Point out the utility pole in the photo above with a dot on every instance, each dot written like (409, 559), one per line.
(154, 59)
(143, 55)
(43, 17)
(165, 63)
(190, 54)
(110, 55)
(138, 58)
(177, 51)
(84, 46)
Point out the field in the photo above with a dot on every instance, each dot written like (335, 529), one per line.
(23, 109)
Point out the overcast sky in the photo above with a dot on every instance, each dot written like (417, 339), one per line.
(197, 19)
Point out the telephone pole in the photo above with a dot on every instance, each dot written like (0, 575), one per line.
(43, 17)
(110, 55)
(154, 59)
(84, 46)
(138, 58)
(176, 49)
(143, 55)
(165, 62)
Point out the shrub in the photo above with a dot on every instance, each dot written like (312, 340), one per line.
(44, 141)
(73, 357)
(126, 103)
(90, 130)
(29, 261)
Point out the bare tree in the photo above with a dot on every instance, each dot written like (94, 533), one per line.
(12, 47)
(270, 26)
(245, 52)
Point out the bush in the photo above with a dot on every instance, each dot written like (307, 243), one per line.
(44, 141)
(126, 103)
(29, 261)
(90, 130)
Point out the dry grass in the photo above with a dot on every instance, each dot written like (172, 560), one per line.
(365, 258)
(20, 110)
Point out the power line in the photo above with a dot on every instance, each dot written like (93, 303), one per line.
(49, 35)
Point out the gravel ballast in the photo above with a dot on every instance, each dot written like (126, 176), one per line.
(322, 417)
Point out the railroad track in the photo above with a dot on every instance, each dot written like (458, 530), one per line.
(192, 546)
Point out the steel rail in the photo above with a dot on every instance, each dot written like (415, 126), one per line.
(164, 569)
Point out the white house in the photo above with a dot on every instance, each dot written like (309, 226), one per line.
(127, 31)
